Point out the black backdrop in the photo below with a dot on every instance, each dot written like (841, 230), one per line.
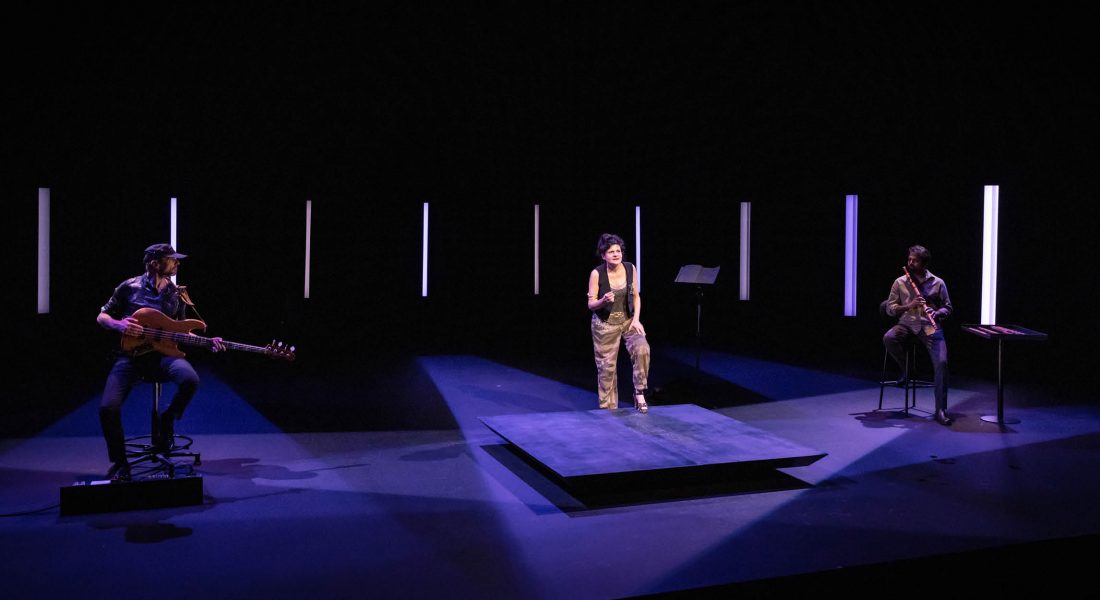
(683, 109)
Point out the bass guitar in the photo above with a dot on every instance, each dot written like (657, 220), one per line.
(164, 334)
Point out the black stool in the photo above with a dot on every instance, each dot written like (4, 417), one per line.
(143, 451)
(908, 380)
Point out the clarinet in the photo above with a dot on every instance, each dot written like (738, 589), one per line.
(927, 309)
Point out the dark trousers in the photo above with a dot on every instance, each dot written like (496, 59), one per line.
(126, 372)
(894, 340)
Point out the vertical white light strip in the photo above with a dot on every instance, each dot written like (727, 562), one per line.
(43, 250)
(536, 249)
(746, 222)
(424, 263)
(309, 233)
(172, 228)
(989, 255)
(638, 245)
(851, 247)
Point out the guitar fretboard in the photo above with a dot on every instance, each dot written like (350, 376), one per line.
(191, 339)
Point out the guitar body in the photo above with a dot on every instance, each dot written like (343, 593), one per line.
(161, 332)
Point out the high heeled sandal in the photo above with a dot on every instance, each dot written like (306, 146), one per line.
(639, 403)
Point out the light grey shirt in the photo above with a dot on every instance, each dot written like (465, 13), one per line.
(935, 295)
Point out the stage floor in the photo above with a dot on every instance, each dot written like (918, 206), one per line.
(453, 513)
(602, 442)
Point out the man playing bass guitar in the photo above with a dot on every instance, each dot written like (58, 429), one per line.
(154, 289)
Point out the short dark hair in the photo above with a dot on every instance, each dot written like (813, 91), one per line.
(606, 241)
(922, 252)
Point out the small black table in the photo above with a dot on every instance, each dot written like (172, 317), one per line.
(1002, 333)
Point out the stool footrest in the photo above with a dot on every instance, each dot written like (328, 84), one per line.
(179, 442)
(146, 459)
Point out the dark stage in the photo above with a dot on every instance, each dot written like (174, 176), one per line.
(456, 512)
(411, 197)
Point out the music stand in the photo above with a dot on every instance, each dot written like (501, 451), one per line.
(698, 276)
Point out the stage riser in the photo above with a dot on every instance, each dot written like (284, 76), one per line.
(602, 443)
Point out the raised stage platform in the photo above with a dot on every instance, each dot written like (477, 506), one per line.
(594, 443)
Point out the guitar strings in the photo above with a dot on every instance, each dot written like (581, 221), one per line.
(162, 334)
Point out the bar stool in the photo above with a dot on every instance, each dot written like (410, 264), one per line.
(156, 459)
(909, 382)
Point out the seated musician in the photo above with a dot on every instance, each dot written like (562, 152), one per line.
(155, 290)
(920, 300)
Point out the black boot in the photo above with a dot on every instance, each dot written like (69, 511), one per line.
(942, 418)
(111, 422)
(165, 438)
(119, 471)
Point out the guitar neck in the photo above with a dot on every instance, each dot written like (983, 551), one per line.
(205, 342)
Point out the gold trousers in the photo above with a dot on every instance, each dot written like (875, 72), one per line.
(606, 339)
